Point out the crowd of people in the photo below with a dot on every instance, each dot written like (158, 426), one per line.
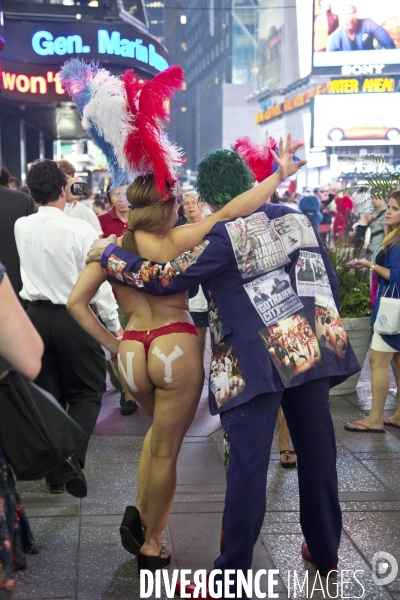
(338, 218)
(116, 279)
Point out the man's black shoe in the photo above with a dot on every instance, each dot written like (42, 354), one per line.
(75, 481)
(129, 407)
(55, 489)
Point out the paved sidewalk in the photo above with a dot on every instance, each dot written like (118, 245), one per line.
(81, 557)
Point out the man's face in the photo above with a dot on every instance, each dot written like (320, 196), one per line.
(192, 208)
(323, 195)
(377, 203)
(350, 18)
(119, 200)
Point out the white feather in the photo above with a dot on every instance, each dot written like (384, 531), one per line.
(107, 111)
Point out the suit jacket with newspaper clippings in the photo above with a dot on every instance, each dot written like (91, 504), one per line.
(272, 331)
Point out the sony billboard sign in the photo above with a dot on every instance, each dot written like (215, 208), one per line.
(363, 69)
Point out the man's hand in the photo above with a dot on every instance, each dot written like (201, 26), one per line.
(98, 247)
(285, 162)
(70, 197)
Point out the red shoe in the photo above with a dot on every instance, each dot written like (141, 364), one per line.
(189, 589)
(305, 553)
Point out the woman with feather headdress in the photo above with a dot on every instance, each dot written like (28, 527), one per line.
(159, 356)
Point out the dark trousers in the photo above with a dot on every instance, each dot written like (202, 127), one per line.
(250, 428)
(73, 370)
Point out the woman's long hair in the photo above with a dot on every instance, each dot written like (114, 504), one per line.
(143, 193)
(395, 240)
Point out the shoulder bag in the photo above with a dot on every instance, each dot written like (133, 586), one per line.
(387, 320)
(36, 433)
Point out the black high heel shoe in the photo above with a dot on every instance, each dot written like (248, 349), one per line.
(131, 531)
(153, 563)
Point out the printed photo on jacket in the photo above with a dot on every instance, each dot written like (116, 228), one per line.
(226, 378)
(292, 345)
(329, 326)
(214, 321)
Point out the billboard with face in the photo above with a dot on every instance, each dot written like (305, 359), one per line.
(359, 38)
(357, 120)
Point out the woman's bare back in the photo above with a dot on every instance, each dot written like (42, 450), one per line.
(149, 312)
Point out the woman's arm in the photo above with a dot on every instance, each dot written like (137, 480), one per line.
(362, 263)
(184, 238)
(78, 306)
(20, 343)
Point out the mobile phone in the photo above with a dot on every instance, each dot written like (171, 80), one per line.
(79, 189)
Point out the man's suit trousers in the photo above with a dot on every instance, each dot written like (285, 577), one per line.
(250, 428)
(73, 367)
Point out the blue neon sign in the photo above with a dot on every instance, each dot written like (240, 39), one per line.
(44, 44)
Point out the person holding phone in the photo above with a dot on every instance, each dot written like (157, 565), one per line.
(74, 190)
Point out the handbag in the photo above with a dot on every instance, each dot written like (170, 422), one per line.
(387, 320)
(36, 433)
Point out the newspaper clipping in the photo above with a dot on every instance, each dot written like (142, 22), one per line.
(292, 345)
(329, 327)
(311, 275)
(226, 377)
(295, 231)
(273, 296)
(258, 248)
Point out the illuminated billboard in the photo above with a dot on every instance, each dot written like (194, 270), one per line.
(359, 38)
(354, 120)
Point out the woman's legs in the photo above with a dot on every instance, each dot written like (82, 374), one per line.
(135, 378)
(380, 381)
(396, 417)
(176, 369)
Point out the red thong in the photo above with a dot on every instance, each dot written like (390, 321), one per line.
(146, 337)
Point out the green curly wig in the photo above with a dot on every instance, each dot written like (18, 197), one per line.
(221, 176)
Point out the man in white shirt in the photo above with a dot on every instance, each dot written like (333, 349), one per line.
(73, 207)
(52, 250)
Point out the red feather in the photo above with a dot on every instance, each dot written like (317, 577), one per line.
(146, 147)
(258, 158)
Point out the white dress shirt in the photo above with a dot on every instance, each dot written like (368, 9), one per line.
(52, 250)
(80, 211)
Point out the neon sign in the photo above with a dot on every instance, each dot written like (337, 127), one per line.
(372, 85)
(32, 84)
(44, 44)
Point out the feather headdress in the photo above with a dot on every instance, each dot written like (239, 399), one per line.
(121, 116)
(257, 157)
(146, 146)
